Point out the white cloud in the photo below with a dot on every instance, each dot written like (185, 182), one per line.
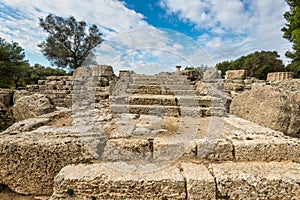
(193, 11)
(111, 17)
(151, 50)
(129, 39)
(227, 30)
(234, 27)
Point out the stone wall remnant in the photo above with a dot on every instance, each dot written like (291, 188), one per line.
(279, 76)
(235, 74)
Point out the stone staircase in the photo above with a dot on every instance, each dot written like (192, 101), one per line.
(171, 95)
(170, 143)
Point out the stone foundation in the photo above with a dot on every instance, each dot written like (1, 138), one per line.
(227, 180)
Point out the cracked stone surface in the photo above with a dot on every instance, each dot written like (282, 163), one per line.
(233, 180)
(102, 181)
(258, 180)
(200, 184)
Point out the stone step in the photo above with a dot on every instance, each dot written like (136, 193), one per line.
(167, 110)
(229, 180)
(145, 109)
(168, 87)
(168, 100)
(235, 140)
(158, 90)
(205, 149)
(161, 90)
(171, 76)
(162, 82)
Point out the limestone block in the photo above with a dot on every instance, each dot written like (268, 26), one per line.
(234, 86)
(268, 149)
(152, 100)
(33, 123)
(117, 181)
(211, 73)
(279, 76)
(214, 149)
(127, 149)
(270, 106)
(257, 180)
(26, 125)
(214, 111)
(203, 88)
(42, 88)
(32, 106)
(235, 74)
(102, 71)
(200, 183)
(171, 148)
(20, 93)
(82, 72)
(29, 161)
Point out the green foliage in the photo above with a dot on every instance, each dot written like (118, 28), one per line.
(295, 68)
(15, 71)
(13, 67)
(69, 42)
(292, 33)
(223, 66)
(40, 72)
(257, 64)
(189, 68)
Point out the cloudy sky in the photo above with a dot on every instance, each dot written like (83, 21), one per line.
(150, 36)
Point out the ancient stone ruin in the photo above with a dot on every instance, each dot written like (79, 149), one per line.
(163, 136)
(279, 76)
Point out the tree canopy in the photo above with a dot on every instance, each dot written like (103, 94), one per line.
(15, 71)
(292, 33)
(39, 72)
(257, 64)
(69, 41)
(13, 65)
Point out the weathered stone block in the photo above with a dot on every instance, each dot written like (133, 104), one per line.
(118, 181)
(257, 180)
(279, 76)
(32, 106)
(127, 149)
(102, 71)
(214, 149)
(268, 149)
(29, 161)
(171, 148)
(270, 106)
(234, 87)
(235, 74)
(200, 184)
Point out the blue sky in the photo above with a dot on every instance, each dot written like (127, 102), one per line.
(150, 36)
